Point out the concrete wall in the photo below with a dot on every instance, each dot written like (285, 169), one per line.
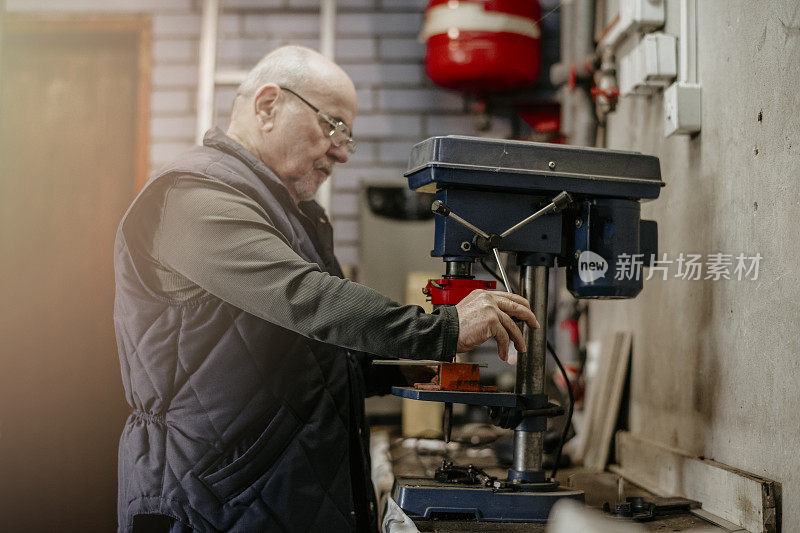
(716, 364)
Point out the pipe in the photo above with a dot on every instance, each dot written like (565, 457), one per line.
(327, 40)
(583, 126)
(687, 44)
(566, 16)
(577, 56)
(327, 29)
(2, 22)
(208, 58)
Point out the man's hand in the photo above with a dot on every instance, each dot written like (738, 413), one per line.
(484, 314)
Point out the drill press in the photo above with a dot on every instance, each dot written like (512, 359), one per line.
(550, 206)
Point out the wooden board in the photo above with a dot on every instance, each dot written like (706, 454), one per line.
(604, 397)
(747, 500)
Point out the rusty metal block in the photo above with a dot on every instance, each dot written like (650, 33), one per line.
(457, 377)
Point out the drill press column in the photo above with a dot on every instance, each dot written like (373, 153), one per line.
(530, 370)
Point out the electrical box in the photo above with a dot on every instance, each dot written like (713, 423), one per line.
(682, 108)
(634, 16)
(650, 66)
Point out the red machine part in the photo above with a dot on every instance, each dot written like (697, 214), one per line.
(452, 291)
(482, 46)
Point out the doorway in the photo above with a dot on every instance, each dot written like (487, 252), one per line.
(74, 118)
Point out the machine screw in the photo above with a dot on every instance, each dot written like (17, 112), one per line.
(552, 165)
(578, 223)
(577, 254)
(466, 246)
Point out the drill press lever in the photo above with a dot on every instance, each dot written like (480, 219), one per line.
(491, 242)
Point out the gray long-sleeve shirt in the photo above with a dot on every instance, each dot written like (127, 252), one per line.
(211, 238)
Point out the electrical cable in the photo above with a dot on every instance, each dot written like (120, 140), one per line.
(568, 422)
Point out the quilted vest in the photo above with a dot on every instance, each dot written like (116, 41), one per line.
(236, 424)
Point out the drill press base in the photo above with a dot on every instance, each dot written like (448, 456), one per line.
(421, 497)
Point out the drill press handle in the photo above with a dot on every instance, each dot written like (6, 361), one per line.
(559, 203)
(491, 242)
(440, 208)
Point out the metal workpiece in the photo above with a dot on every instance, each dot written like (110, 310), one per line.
(416, 362)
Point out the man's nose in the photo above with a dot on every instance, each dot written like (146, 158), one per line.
(340, 153)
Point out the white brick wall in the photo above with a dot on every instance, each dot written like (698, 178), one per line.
(379, 23)
(394, 152)
(288, 24)
(376, 44)
(401, 49)
(406, 100)
(60, 6)
(176, 50)
(372, 74)
(172, 101)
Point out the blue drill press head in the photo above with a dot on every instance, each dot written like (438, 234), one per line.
(495, 183)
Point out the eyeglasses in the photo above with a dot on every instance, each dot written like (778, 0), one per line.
(339, 133)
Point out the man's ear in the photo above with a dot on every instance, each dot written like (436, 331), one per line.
(265, 105)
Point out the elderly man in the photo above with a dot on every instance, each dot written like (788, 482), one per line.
(244, 353)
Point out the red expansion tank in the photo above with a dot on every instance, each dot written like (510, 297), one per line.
(482, 46)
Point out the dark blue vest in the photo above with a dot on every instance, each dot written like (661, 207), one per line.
(237, 424)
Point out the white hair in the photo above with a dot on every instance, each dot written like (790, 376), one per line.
(288, 66)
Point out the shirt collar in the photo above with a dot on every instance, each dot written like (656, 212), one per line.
(216, 138)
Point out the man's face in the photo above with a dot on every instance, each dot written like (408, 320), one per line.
(306, 153)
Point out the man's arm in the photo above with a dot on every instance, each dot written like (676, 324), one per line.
(224, 242)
